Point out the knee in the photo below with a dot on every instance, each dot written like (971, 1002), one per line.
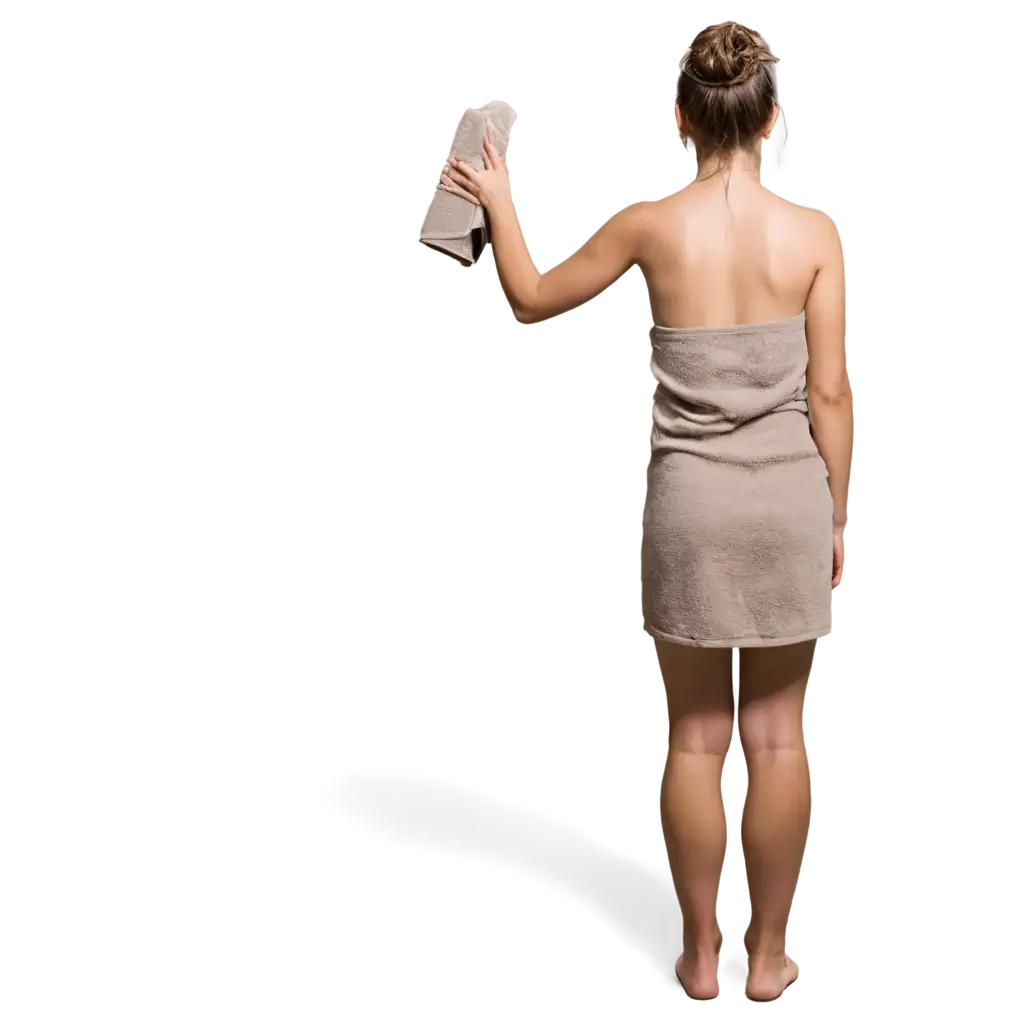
(704, 734)
(762, 731)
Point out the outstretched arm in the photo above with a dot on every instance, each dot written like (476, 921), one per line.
(534, 297)
(601, 261)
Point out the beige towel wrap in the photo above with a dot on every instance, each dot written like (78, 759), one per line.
(737, 527)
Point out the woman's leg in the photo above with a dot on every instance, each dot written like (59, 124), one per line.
(773, 681)
(698, 685)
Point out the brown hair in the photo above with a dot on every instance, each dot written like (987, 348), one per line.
(727, 88)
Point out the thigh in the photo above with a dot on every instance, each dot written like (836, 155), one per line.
(698, 686)
(773, 682)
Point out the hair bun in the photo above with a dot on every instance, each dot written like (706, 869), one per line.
(726, 54)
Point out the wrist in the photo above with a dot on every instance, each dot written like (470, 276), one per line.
(498, 206)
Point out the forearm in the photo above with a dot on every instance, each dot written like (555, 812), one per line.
(518, 276)
(832, 428)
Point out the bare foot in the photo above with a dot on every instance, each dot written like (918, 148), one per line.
(700, 975)
(770, 976)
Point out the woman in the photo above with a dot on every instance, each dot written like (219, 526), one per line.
(747, 484)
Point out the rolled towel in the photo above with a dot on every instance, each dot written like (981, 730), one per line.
(454, 225)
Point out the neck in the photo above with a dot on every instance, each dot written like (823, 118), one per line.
(737, 164)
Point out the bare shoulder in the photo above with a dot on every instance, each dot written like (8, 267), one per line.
(638, 214)
(620, 238)
(818, 228)
(628, 223)
(824, 227)
(681, 200)
(653, 220)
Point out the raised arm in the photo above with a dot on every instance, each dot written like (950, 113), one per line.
(828, 386)
(601, 261)
(534, 297)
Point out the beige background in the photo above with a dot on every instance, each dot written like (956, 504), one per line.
(281, 498)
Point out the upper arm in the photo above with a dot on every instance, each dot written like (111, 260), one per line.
(826, 316)
(602, 260)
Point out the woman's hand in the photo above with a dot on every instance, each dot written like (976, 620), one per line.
(838, 555)
(488, 187)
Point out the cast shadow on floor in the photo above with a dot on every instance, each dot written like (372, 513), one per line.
(418, 812)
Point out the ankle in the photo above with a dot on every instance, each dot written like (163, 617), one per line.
(700, 947)
(765, 946)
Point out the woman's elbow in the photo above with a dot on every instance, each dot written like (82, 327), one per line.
(831, 393)
(524, 312)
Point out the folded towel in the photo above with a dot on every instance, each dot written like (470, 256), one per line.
(454, 225)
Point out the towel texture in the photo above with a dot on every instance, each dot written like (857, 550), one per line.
(737, 526)
(454, 225)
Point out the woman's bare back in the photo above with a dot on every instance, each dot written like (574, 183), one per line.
(707, 262)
